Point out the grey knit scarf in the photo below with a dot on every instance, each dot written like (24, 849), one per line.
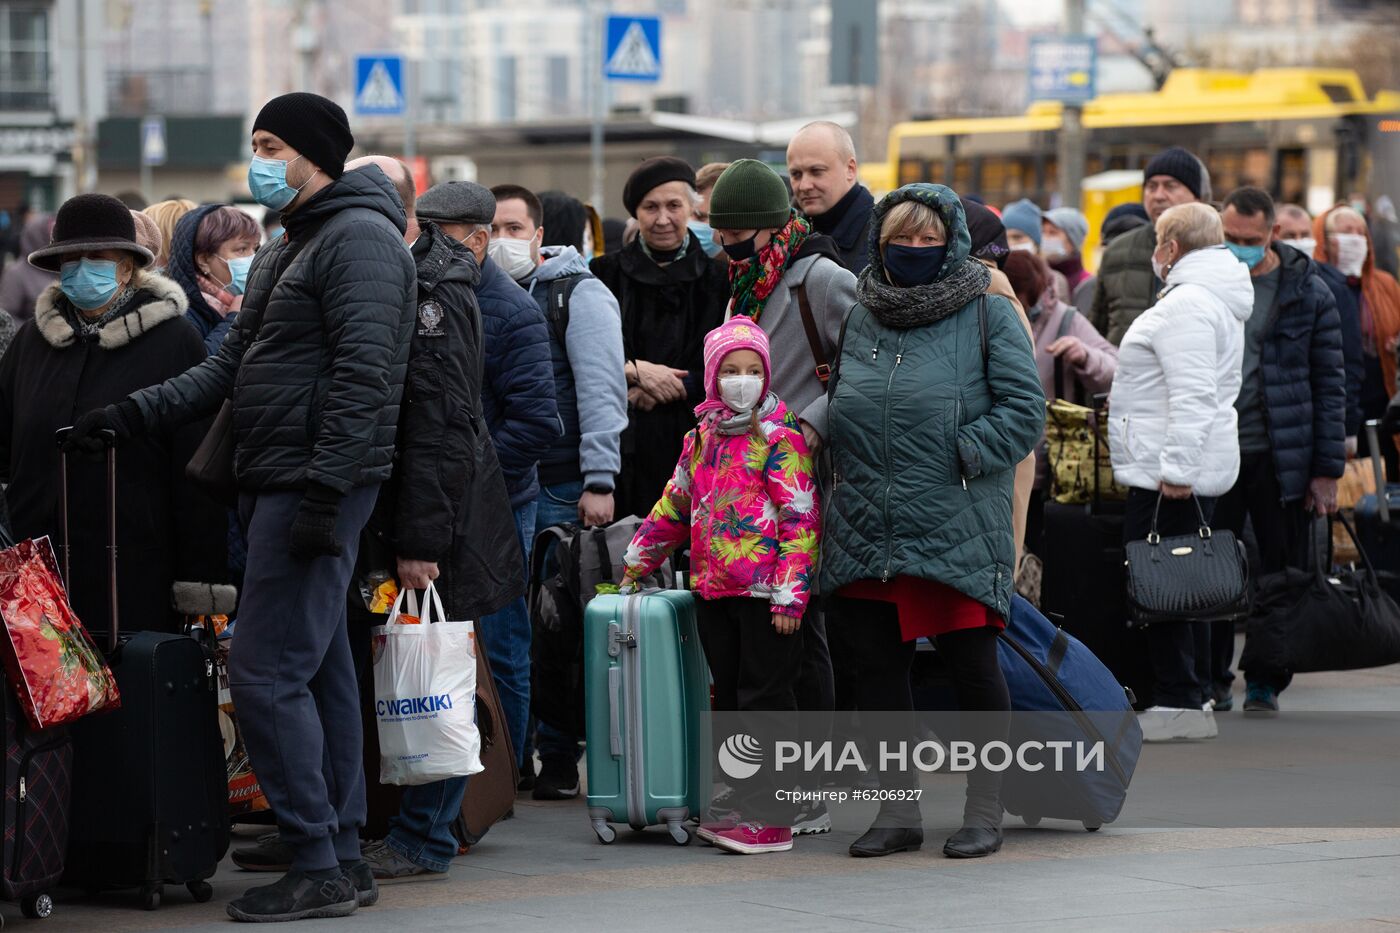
(743, 423)
(902, 308)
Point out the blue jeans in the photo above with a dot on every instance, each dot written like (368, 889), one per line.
(422, 832)
(506, 637)
(558, 505)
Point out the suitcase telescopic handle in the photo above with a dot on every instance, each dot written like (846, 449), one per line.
(1373, 441)
(109, 441)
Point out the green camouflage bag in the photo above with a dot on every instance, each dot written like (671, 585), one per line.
(1074, 441)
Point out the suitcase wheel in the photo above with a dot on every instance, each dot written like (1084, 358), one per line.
(679, 834)
(1092, 827)
(1030, 820)
(201, 891)
(36, 906)
(150, 897)
(606, 834)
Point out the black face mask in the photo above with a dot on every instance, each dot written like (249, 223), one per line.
(908, 266)
(743, 250)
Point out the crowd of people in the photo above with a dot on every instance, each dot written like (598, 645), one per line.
(836, 403)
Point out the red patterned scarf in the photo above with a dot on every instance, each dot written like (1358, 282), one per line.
(753, 280)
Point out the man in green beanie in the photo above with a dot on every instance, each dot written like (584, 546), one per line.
(790, 280)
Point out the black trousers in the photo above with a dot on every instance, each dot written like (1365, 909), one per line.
(1178, 651)
(868, 639)
(755, 670)
(1281, 530)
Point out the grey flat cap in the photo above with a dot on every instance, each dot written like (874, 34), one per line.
(457, 202)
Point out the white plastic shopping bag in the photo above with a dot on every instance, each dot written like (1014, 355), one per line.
(425, 693)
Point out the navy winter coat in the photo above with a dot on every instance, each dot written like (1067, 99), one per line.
(1304, 378)
(518, 392)
(1350, 315)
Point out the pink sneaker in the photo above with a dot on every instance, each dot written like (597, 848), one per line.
(708, 831)
(755, 838)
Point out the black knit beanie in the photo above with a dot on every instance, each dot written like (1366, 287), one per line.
(650, 174)
(1177, 163)
(312, 125)
(987, 233)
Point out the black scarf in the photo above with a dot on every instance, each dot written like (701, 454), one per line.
(902, 308)
(825, 223)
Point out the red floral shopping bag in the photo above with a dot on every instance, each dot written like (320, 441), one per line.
(51, 661)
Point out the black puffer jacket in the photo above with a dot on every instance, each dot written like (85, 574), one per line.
(447, 501)
(1303, 378)
(315, 363)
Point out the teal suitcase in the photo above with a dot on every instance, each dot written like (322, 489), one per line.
(646, 699)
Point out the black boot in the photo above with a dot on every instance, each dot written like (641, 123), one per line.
(879, 841)
(897, 828)
(981, 830)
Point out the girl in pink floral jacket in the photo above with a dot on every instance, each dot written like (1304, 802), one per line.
(745, 495)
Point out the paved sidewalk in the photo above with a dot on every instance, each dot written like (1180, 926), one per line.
(545, 870)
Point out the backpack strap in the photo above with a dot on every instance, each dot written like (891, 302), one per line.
(814, 337)
(560, 290)
(840, 347)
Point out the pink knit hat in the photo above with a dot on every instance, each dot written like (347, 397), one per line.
(737, 333)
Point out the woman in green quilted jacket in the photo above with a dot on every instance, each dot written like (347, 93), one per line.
(936, 398)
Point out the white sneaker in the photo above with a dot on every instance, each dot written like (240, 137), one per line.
(1170, 724)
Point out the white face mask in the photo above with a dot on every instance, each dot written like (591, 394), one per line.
(1351, 252)
(1053, 248)
(1161, 269)
(740, 393)
(513, 256)
(1025, 246)
(1305, 245)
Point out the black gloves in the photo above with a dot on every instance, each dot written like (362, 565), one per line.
(313, 529)
(122, 419)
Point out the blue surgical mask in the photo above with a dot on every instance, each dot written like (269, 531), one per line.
(907, 266)
(267, 180)
(1251, 256)
(705, 235)
(89, 283)
(238, 271)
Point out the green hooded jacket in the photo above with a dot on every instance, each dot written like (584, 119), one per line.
(926, 434)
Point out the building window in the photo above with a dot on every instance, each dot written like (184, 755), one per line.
(505, 88)
(24, 57)
(557, 81)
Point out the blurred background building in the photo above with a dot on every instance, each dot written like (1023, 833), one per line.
(506, 85)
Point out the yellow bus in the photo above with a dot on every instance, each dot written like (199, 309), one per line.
(1308, 136)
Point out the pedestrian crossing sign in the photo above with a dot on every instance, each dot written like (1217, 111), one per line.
(379, 85)
(633, 49)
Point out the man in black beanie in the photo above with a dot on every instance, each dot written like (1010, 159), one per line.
(1126, 285)
(314, 368)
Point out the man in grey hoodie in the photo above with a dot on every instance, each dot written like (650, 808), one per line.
(585, 336)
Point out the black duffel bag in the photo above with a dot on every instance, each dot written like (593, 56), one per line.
(1201, 577)
(1313, 620)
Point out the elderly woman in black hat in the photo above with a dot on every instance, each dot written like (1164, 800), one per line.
(671, 294)
(107, 328)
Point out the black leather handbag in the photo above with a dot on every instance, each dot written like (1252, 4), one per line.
(1320, 620)
(1201, 577)
(211, 466)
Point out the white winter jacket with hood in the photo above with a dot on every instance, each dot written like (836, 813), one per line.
(1172, 407)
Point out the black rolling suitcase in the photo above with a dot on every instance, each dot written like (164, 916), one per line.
(150, 792)
(1378, 521)
(1085, 586)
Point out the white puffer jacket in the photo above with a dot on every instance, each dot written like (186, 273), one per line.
(1172, 408)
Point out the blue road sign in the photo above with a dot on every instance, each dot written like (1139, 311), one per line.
(1062, 68)
(379, 85)
(633, 48)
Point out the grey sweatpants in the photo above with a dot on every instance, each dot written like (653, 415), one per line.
(293, 680)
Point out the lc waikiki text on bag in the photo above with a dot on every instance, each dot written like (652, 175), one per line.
(425, 693)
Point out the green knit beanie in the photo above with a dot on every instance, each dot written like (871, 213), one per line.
(749, 196)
